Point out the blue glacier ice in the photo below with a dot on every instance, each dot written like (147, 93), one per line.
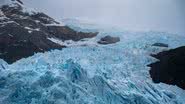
(95, 74)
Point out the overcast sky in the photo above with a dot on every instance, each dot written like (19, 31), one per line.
(159, 15)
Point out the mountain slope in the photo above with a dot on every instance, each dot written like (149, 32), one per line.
(25, 32)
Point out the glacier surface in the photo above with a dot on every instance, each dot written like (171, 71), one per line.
(94, 74)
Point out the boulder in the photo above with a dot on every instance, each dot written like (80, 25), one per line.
(160, 45)
(108, 40)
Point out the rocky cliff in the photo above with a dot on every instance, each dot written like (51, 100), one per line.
(170, 68)
(24, 32)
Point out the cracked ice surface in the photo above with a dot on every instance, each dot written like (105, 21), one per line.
(111, 74)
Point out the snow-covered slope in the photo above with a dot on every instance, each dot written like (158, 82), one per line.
(111, 74)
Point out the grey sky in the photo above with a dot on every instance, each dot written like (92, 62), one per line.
(160, 15)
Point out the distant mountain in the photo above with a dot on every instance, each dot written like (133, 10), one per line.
(24, 32)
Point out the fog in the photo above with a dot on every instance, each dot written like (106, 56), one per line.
(142, 15)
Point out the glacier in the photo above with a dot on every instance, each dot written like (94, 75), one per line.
(94, 74)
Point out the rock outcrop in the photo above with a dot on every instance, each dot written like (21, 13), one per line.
(108, 40)
(19, 1)
(160, 45)
(171, 67)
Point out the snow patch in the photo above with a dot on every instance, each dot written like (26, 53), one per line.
(30, 11)
(8, 22)
(10, 35)
(31, 29)
(54, 24)
(71, 43)
(1, 13)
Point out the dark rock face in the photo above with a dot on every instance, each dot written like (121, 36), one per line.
(171, 67)
(22, 34)
(66, 33)
(160, 45)
(19, 1)
(109, 40)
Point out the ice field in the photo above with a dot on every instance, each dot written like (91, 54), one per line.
(89, 73)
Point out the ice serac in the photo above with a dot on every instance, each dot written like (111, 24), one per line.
(24, 32)
(74, 71)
